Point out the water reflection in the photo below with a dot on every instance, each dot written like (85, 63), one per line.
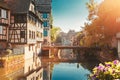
(78, 69)
(14, 67)
(35, 69)
(69, 71)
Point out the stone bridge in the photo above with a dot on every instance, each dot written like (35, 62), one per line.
(55, 50)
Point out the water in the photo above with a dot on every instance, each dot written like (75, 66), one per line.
(69, 71)
(47, 70)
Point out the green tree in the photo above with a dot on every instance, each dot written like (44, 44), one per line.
(92, 31)
(92, 8)
(54, 33)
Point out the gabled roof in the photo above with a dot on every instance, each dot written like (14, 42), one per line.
(18, 6)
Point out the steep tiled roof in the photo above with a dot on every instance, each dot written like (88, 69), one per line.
(43, 5)
(3, 5)
(44, 2)
(44, 8)
(18, 6)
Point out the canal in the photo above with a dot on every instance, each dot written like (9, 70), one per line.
(66, 70)
(69, 71)
(53, 69)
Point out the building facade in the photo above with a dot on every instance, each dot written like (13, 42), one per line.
(22, 29)
(44, 7)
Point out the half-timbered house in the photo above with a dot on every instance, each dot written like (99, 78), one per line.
(26, 32)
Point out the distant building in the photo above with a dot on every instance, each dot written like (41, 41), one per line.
(71, 35)
(44, 7)
(67, 38)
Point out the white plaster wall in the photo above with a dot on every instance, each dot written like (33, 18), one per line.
(29, 57)
(28, 54)
(28, 63)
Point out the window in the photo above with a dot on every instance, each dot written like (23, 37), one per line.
(29, 69)
(34, 35)
(29, 34)
(45, 15)
(41, 35)
(29, 47)
(32, 8)
(1, 30)
(45, 24)
(45, 33)
(3, 13)
(22, 34)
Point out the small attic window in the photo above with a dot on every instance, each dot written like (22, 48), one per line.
(32, 8)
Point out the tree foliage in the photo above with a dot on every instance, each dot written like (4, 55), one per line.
(92, 8)
(104, 21)
(54, 33)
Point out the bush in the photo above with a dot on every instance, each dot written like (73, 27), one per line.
(106, 71)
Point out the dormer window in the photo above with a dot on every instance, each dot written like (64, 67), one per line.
(32, 8)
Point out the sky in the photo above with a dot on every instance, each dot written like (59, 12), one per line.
(70, 14)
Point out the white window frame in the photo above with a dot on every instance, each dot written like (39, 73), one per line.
(3, 13)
